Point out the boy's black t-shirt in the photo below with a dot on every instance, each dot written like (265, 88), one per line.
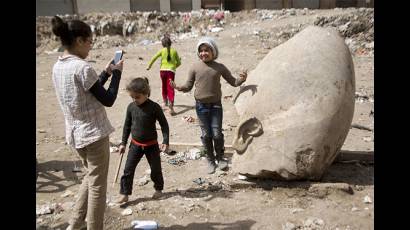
(140, 122)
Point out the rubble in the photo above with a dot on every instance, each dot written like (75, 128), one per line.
(122, 29)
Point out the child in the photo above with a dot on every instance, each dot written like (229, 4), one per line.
(169, 62)
(140, 120)
(206, 75)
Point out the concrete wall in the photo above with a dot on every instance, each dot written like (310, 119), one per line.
(87, 6)
(144, 5)
(54, 7)
(269, 4)
(310, 4)
(196, 4)
(181, 5)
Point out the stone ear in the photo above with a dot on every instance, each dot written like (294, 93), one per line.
(246, 130)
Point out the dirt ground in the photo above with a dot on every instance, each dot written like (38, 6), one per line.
(222, 201)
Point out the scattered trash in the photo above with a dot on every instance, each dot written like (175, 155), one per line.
(67, 193)
(242, 177)
(314, 223)
(114, 149)
(143, 181)
(141, 207)
(296, 210)
(367, 139)
(354, 125)
(126, 212)
(199, 181)
(367, 200)
(140, 58)
(289, 226)
(216, 29)
(188, 119)
(144, 224)
(194, 154)
(41, 131)
(354, 209)
(178, 159)
(43, 210)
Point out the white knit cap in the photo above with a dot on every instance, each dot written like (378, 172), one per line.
(211, 43)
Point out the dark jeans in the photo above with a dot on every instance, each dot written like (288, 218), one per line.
(135, 153)
(210, 116)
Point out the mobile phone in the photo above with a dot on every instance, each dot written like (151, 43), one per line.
(117, 56)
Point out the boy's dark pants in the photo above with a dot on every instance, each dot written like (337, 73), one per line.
(210, 116)
(135, 153)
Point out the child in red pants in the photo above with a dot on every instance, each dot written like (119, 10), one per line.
(169, 62)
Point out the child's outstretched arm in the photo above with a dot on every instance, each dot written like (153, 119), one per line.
(153, 59)
(126, 130)
(188, 84)
(164, 128)
(226, 74)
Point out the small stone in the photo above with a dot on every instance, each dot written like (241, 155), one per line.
(67, 193)
(367, 200)
(126, 212)
(41, 131)
(289, 226)
(295, 210)
(354, 209)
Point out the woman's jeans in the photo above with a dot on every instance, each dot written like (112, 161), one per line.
(210, 116)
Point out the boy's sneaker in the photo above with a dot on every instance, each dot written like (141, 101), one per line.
(222, 164)
(157, 194)
(211, 167)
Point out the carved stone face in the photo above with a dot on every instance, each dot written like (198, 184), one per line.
(296, 108)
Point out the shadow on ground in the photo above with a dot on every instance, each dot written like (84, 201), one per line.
(49, 182)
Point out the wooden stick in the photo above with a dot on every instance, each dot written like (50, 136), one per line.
(118, 169)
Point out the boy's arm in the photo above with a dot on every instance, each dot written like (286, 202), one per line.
(164, 125)
(154, 59)
(127, 127)
(226, 74)
(189, 83)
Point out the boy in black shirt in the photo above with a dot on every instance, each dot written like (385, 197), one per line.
(140, 120)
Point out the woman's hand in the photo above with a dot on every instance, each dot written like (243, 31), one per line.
(121, 149)
(108, 67)
(118, 66)
(164, 148)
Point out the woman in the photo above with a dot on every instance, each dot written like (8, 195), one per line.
(82, 98)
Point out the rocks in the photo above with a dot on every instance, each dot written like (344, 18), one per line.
(126, 212)
(367, 200)
(319, 101)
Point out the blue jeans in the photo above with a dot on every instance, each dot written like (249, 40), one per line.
(210, 116)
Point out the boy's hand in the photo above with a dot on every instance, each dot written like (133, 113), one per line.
(121, 149)
(173, 85)
(243, 75)
(164, 148)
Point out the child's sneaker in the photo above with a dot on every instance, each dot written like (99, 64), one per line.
(122, 199)
(157, 194)
(211, 167)
(222, 164)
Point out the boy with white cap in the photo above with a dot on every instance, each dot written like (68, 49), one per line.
(206, 75)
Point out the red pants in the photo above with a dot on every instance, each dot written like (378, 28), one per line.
(167, 91)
